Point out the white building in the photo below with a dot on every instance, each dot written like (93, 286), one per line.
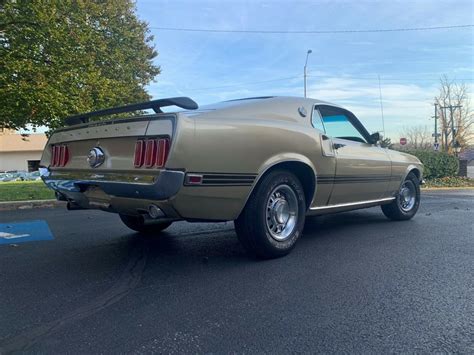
(18, 152)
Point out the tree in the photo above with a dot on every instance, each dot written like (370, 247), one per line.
(386, 143)
(454, 94)
(62, 57)
(418, 137)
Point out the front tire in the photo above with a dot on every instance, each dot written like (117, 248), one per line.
(273, 219)
(137, 223)
(407, 201)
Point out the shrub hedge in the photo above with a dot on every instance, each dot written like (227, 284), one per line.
(436, 164)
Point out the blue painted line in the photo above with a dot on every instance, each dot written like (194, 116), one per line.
(22, 232)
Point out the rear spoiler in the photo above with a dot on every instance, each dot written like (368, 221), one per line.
(156, 105)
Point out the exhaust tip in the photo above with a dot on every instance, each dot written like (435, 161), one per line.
(72, 206)
(155, 212)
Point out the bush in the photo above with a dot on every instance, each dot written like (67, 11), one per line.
(437, 164)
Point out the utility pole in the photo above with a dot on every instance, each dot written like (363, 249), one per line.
(453, 130)
(305, 64)
(446, 135)
(453, 133)
(436, 125)
(381, 108)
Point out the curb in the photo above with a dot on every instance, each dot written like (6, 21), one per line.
(447, 188)
(27, 205)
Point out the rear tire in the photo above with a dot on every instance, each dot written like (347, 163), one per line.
(273, 218)
(407, 201)
(137, 223)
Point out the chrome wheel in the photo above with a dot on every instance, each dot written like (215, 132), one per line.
(282, 212)
(407, 196)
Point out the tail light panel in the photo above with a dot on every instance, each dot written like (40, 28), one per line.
(59, 155)
(151, 153)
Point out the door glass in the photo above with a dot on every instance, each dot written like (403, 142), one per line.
(338, 125)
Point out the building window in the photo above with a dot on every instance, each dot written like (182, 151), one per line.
(33, 165)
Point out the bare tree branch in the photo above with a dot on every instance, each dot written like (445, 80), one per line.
(454, 94)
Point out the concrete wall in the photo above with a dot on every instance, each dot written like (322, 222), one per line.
(17, 160)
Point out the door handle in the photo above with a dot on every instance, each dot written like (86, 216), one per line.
(338, 145)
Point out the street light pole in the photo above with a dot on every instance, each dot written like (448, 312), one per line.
(305, 64)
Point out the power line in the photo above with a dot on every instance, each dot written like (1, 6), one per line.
(405, 29)
(242, 85)
(384, 79)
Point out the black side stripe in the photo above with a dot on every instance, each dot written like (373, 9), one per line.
(239, 179)
(348, 179)
(226, 179)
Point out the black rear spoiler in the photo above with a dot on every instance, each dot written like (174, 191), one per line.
(156, 105)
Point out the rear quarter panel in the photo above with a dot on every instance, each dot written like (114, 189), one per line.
(238, 146)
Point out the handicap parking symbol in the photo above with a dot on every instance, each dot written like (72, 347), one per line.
(27, 231)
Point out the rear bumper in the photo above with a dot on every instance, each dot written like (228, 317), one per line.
(72, 185)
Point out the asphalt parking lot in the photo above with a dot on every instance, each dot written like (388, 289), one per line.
(355, 283)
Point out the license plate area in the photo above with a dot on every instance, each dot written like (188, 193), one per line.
(96, 195)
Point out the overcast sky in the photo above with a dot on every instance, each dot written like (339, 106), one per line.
(343, 68)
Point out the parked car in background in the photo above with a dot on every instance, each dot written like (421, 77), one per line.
(5, 177)
(13, 175)
(33, 176)
(264, 163)
(18, 175)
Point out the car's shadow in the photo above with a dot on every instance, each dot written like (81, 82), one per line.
(222, 243)
(319, 225)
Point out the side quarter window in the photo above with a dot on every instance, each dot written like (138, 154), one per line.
(317, 121)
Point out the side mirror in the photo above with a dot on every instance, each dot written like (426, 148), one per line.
(375, 138)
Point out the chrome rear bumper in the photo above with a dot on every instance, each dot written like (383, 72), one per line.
(72, 185)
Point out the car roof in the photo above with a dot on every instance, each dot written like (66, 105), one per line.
(264, 107)
(248, 101)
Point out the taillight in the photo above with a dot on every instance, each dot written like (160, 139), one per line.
(151, 153)
(59, 155)
(63, 155)
(56, 150)
(139, 153)
(53, 156)
(163, 150)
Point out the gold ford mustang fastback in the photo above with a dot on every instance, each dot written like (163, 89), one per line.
(265, 163)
